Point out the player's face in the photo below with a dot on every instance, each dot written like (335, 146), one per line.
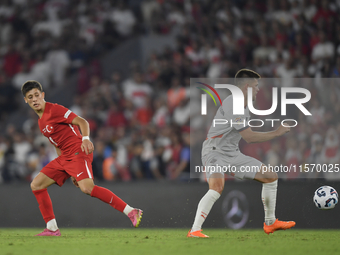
(35, 99)
(255, 86)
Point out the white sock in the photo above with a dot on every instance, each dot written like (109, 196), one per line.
(127, 209)
(204, 207)
(52, 225)
(269, 201)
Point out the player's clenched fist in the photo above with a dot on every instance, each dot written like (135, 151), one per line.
(87, 147)
(282, 130)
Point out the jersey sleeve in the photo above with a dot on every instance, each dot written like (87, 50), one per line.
(63, 115)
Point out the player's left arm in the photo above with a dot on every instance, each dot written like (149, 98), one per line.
(251, 136)
(84, 126)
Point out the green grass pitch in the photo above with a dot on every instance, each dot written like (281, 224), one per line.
(168, 241)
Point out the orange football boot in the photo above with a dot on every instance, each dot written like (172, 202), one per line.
(197, 234)
(278, 225)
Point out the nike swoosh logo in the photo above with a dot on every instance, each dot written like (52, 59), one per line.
(79, 174)
(111, 200)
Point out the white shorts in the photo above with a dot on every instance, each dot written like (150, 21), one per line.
(240, 166)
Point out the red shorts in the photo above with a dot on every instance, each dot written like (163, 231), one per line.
(62, 168)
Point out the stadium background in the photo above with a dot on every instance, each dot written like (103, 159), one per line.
(126, 66)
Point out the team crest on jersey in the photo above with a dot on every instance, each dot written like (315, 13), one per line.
(237, 120)
(48, 129)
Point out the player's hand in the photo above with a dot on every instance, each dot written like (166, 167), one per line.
(282, 130)
(74, 181)
(87, 146)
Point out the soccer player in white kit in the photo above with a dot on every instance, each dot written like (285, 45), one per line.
(221, 149)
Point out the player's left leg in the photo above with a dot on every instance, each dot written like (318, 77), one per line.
(216, 186)
(88, 187)
(269, 191)
(39, 187)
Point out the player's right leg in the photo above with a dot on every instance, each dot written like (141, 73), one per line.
(39, 188)
(80, 168)
(216, 186)
(269, 190)
(88, 187)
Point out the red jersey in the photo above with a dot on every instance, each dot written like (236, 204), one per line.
(56, 125)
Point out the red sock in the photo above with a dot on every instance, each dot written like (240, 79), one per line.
(108, 197)
(45, 204)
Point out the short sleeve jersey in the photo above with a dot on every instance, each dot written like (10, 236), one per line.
(56, 125)
(225, 138)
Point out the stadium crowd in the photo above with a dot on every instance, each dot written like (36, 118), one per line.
(140, 124)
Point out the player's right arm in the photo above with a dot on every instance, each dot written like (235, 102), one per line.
(251, 136)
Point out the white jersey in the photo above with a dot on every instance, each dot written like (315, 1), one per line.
(224, 138)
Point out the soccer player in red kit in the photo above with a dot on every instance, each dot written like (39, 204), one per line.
(74, 160)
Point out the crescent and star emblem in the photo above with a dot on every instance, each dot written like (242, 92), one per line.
(48, 130)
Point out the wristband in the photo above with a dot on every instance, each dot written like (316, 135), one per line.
(85, 138)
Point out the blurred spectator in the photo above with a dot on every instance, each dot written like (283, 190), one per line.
(41, 71)
(161, 116)
(21, 148)
(36, 160)
(90, 29)
(157, 163)
(9, 166)
(76, 107)
(283, 15)
(182, 170)
(58, 61)
(11, 61)
(324, 49)
(53, 27)
(273, 156)
(182, 113)
(6, 30)
(316, 154)
(136, 162)
(123, 19)
(8, 96)
(292, 157)
(264, 50)
(309, 9)
(175, 156)
(176, 93)
(136, 90)
(143, 115)
(331, 146)
(324, 12)
(22, 76)
(317, 111)
(116, 117)
(98, 159)
(112, 170)
(288, 72)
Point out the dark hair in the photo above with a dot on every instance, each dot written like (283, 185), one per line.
(28, 85)
(244, 75)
